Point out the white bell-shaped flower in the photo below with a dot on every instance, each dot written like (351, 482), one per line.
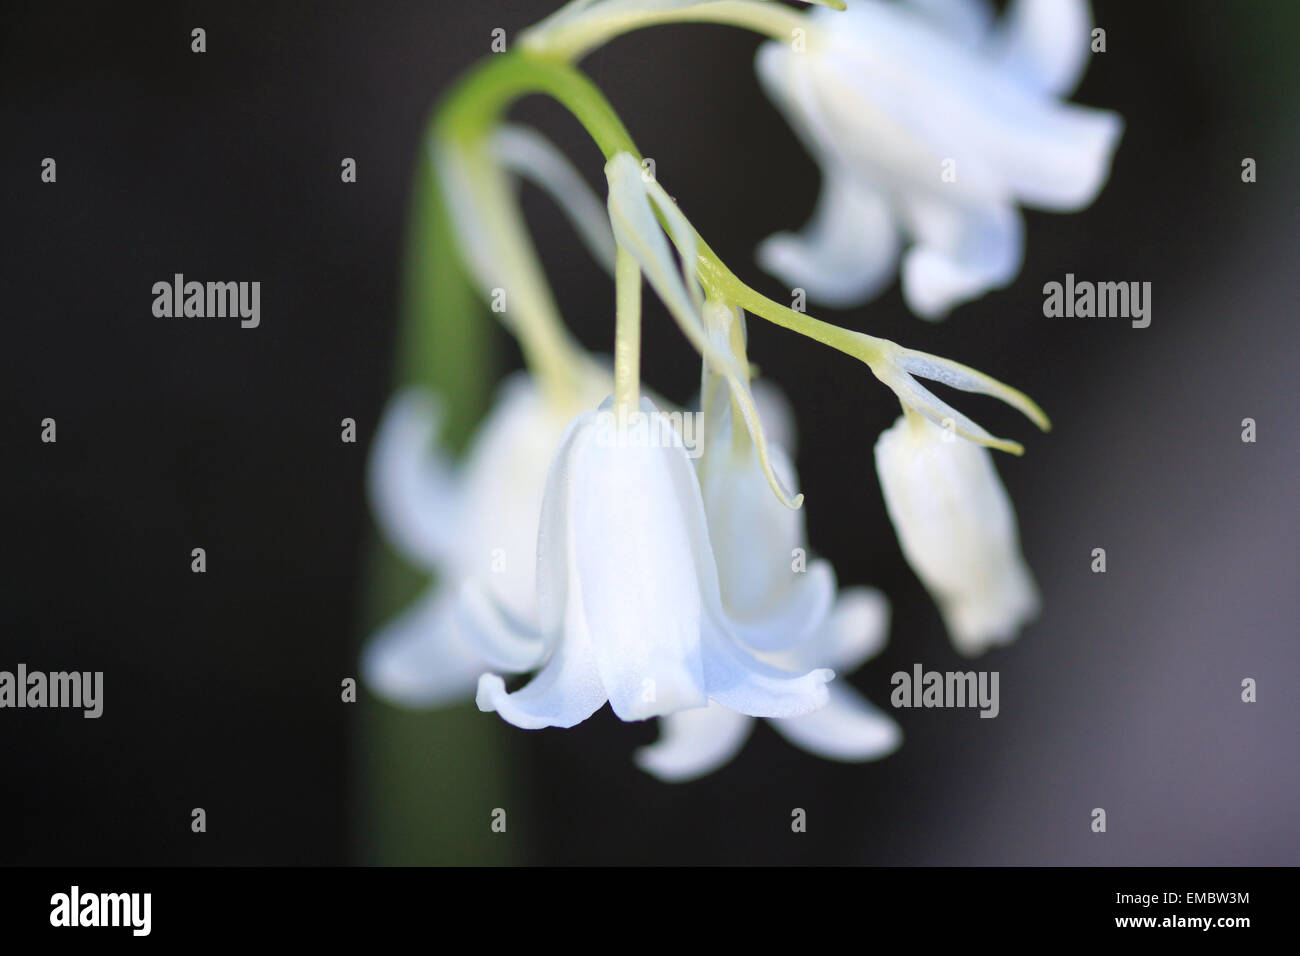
(957, 530)
(931, 124)
(474, 526)
(784, 605)
(630, 609)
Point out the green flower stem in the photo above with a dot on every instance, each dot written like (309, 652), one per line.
(571, 40)
(424, 773)
(533, 316)
(721, 283)
(478, 101)
(476, 104)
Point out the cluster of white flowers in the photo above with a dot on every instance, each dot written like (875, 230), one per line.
(580, 540)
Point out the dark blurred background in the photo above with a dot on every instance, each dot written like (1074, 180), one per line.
(222, 689)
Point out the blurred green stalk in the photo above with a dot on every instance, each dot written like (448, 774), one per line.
(429, 780)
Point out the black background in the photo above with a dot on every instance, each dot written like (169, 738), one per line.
(222, 689)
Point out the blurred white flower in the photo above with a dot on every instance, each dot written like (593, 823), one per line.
(957, 530)
(784, 606)
(630, 609)
(474, 526)
(932, 122)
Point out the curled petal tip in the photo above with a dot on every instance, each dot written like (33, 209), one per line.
(490, 689)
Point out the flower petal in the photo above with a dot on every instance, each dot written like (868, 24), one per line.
(504, 479)
(719, 319)
(1044, 43)
(498, 637)
(921, 400)
(568, 689)
(848, 728)
(902, 105)
(961, 252)
(776, 414)
(967, 21)
(1051, 157)
(895, 365)
(957, 529)
(753, 534)
(740, 681)
(963, 377)
(418, 659)
(694, 742)
(800, 612)
(855, 631)
(412, 485)
(847, 252)
(772, 601)
(564, 693)
(634, 495)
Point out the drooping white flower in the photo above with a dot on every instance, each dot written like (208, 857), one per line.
(957, 530)
(785, 608)
(474, 526)
(630, 609)
(930, 124)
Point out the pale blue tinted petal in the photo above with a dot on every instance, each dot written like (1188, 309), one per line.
(740, 681)
(848, 728)
(855, 631)
(961, 252)
(694, 742)
(412, 485)
(634, 497)
(848, 250)
(498, 637)
(966, 21)
(1044, 43)
(418, 659)
(564, 693)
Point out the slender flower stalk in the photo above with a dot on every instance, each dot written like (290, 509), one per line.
(492, 87)
(578, 28)
(627, 333)
(502, 257)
